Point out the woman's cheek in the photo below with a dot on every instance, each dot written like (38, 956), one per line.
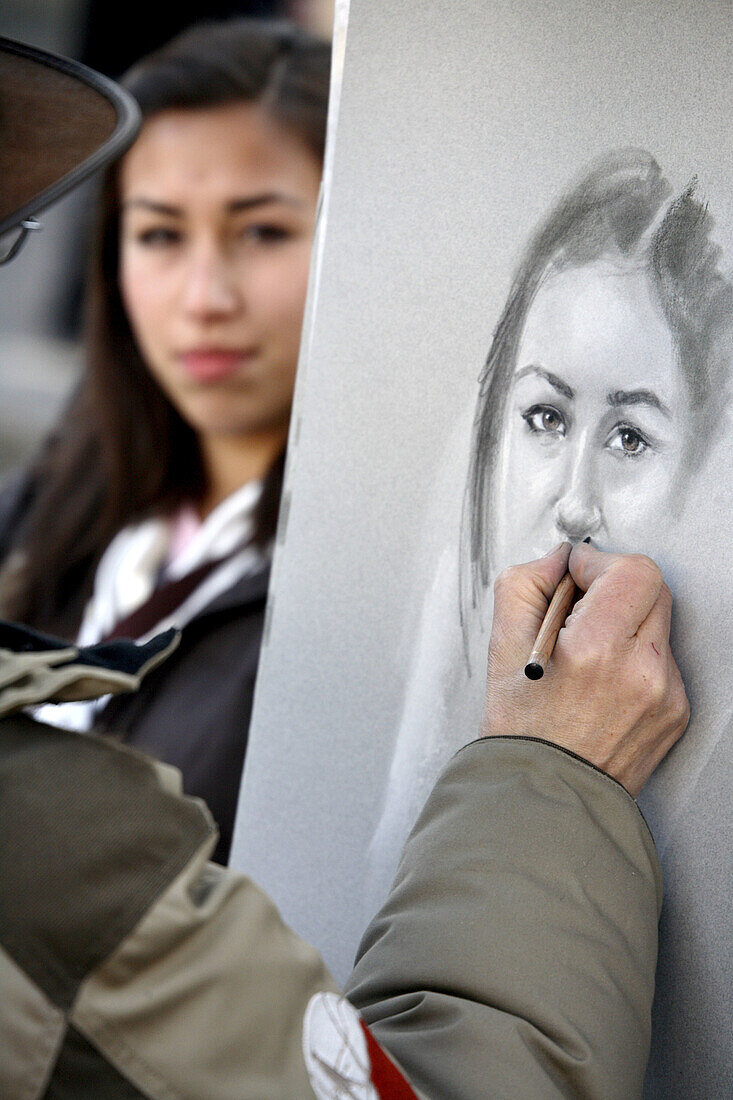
(637, 505)
(534, 458)
(282, 283)
(139, 294)
(532, 490)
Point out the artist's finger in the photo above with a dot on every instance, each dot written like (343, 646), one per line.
(586, 564)
(677, 712)
(679, 703)
(662, 680)
(620, 590)
(655, 752)
(522, 595)
(654, 631)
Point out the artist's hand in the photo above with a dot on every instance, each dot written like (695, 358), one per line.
(611, 692)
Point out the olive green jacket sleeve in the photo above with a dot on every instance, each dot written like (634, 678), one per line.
(131, 967)
(515, 954)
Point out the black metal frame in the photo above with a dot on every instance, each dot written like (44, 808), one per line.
(125, 132)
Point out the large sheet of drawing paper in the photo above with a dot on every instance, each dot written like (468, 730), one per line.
(518, 331)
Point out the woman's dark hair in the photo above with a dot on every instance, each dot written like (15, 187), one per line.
(620, 210)
(121, 450)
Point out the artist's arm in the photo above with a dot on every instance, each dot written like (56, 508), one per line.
(515, 954)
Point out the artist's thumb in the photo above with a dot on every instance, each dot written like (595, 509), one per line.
(586, 564)
(522, 595)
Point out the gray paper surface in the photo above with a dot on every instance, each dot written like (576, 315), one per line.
(465, 132)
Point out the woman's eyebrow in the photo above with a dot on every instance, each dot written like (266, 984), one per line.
(266, 199)
(153, 206)
(638, 397)
(555, 382)
(235, 206)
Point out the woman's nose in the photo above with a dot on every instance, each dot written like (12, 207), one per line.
(209, 291)
(577, 511)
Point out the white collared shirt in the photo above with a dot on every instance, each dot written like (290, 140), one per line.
(139, 559)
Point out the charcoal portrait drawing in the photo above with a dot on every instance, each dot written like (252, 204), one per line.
(523, 335)
(604, 378)
(604, 410)
(605, 387)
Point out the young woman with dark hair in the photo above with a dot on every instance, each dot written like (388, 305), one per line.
(155, 500)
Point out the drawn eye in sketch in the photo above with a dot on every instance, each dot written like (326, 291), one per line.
(626, 439)
(545, 420)
(606, 375)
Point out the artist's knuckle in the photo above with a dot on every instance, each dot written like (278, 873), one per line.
(507, 581)
(665, 594)
(598, 656)
(656, 690)
(651, 678)
(681, 705)
(676, 734)
(678, 725)
(643, 570)
(585, 663)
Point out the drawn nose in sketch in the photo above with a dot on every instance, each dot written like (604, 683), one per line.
(576, 514)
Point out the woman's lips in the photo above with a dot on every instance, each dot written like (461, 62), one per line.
(214, 364)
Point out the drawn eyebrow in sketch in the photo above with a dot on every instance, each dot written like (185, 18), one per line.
(555, 382)
(615, 399)
(638, 397)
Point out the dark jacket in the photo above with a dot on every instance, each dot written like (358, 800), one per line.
(194, 712)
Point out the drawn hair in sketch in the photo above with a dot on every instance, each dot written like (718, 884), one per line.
(621, 210)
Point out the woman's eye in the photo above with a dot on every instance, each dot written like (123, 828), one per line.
(265, 233)
(626, 440)
(546, 419)
(158, 237)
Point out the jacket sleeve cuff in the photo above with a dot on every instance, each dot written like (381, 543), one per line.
(615, 801)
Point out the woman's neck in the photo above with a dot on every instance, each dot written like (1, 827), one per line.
(231, 461)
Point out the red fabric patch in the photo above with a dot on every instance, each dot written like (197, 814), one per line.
(386, 1077)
